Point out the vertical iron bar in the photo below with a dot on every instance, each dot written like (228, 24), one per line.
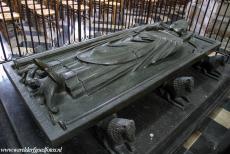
(107, 26)
(136, 11)
(73, 20)
(50, 24)
(121, 12)
(103, 18)
(79, 19)
(178, 13)
(23, 30)
(111, 24)
(62, 22)
(145, 11)
(183, 12)
(15, 31)
(165, 8)
(36, 21)
(57, 5)
(123, 15)
(148, 12)
(90, 11)
(68, 20)
(210, 18)
(154, 5)
(115, 16)
(139, 11)
(226, 28)
(189, 9)
(169, 13)
(99, 16)
(44, 26)
(29, 23)
(193, 15)
(84, 17)
(94, 18)
(161, 5)
(133, 14)
(6, 28)
(130, 10)
(142, 11)
(156, 9)
(198, 16)
(127, 10)
(173, 10)
(68, 12)
(222, 21)
(3, 48)
(202, 22)
(216, 18)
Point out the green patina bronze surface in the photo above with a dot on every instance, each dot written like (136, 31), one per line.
(72, 88)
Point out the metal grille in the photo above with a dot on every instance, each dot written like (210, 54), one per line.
(33, 26)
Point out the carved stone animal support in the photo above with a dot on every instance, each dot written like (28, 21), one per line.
(209, 66)
(117, 134)
(175, 91)
(121, 130)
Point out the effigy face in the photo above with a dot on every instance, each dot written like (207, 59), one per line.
(74, 87)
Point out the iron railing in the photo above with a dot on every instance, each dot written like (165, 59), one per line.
(31, 26)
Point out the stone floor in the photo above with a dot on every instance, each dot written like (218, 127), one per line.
(213, 136)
